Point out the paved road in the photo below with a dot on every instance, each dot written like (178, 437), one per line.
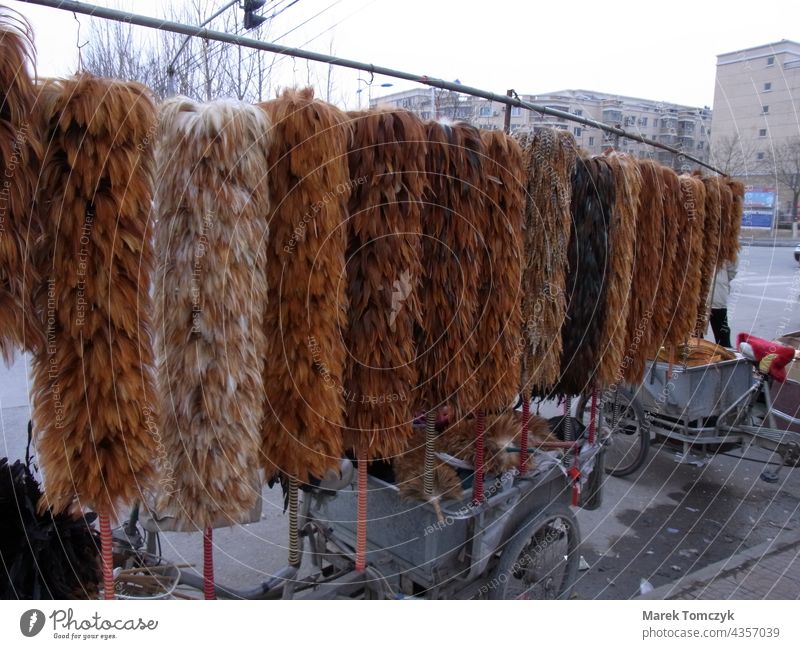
(669, 520)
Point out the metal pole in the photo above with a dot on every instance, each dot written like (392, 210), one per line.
(201, 32)
(507, 121)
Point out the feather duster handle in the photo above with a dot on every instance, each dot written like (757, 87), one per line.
(211, 294)
(500, 292)
(621, 255)
(310, 187)
(20, 157)
(549, 159)
(387, 161)
(93, 392)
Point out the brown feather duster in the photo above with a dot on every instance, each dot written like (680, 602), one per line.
(711, 244)
(621, 255)
(20, 157)
(93, 396)
(549, 158)
(674, 273)
(643, 335)
(690, 255)
(387, 161)
(500, 324)
(211, 293)
(451, 257)
(593, 197)
(732, 207)
(307, 312)
(502, 433)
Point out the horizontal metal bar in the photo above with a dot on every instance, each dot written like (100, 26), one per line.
(234, 39)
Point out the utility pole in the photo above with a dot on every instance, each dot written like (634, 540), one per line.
(507, 118)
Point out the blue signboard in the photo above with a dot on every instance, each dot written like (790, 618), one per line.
(759, 199)
(756, 218)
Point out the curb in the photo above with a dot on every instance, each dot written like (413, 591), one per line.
(747, 559)
(771, 243)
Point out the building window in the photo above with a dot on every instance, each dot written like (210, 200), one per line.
(770, 60)
(767, 86)
(516, 111)
(578, 112)
(762, 132)
(486, 111)
(643, 121)
(764, 110)
(760, 156)
(591, 141)
(577, 131)
(699, 146)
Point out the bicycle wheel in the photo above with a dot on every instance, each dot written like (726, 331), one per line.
(621, 420)
(540, 561)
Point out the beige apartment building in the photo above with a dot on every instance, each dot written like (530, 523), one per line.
(685, 128)
(756, 112)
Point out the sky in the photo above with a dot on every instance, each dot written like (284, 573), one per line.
(663, 51)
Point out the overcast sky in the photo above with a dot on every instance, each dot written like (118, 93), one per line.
(658, 50)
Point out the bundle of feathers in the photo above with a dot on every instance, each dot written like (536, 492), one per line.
(673, 269)
(711, 249)
(593, 198)
(690, 253)
(451, 263)
(499, 294)
(621, 254)
(303, 378)
(44, 555)
(642, 336)
(93, 380)
(732, 207)
(387, 159)
(549, 159)
(212, 207)
(20, 156)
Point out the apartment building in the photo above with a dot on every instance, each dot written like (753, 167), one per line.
(686, 128)
(756, 98)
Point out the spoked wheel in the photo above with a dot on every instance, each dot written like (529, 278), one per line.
(541, 560)
(620, 419)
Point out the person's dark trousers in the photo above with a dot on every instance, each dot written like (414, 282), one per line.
(719, 325)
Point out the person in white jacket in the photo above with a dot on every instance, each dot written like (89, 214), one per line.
(719, 304)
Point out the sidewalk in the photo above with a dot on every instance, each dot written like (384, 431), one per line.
(767, 571)
(767, 238)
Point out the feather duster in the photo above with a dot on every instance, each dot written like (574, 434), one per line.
(43, 555)
(93, 383)
(211, 294)
(20, 156)
(711, 244)
(309, 185)
(689, 254)
(387, 159)
(642, 336)
(549, 158)
(451, 254)
(732, 200)
(593, 197)
(674, 274)
(502, 434)
(621, 255)
(500, 324)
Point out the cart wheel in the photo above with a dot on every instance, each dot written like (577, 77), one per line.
(627, 435)
(540, 560)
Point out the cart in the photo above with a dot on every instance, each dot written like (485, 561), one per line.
(520, 541)
(700, 411)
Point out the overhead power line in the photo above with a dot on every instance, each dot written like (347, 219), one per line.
(235, 39)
